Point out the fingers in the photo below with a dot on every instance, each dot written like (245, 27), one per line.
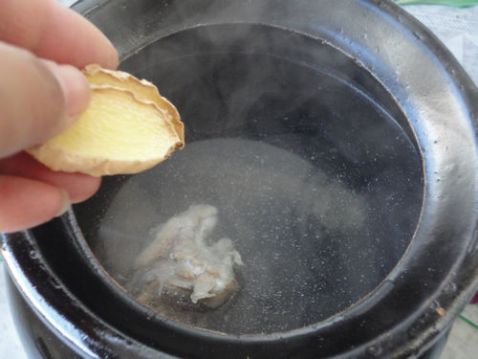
(37, 99)
(31, 194)
(79, 187)
(54, 32)
(26, 203)
(74, 86)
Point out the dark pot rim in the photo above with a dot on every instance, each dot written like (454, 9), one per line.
(445, 240)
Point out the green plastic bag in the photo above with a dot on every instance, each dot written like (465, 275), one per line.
(456, 3)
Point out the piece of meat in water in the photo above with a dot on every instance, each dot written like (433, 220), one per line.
(180, 263)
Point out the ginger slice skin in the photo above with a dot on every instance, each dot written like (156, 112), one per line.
(127, 128)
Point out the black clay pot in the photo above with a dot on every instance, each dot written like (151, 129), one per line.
(337, 140)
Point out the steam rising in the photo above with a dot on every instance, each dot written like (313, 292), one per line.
(316, 185)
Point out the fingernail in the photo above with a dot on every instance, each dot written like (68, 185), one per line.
(75, 87)
(66, 204)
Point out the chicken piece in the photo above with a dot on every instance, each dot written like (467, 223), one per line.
(180, 263)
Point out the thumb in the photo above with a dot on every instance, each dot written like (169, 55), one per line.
(38, 98)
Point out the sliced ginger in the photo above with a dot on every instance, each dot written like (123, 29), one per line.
(128, 127)
(142, 89)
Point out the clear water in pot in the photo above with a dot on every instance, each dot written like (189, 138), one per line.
(314, 180)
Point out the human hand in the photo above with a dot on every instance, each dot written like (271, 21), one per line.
(41, 46)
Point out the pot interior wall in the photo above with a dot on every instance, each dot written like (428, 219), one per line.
(303, 153)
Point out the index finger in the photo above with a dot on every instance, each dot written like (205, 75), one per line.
(54, 32)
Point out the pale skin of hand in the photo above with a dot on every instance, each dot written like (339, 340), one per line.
(42, 46)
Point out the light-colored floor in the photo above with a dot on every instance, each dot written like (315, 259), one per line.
(463, 341)
(458, 29)
(10, 346)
